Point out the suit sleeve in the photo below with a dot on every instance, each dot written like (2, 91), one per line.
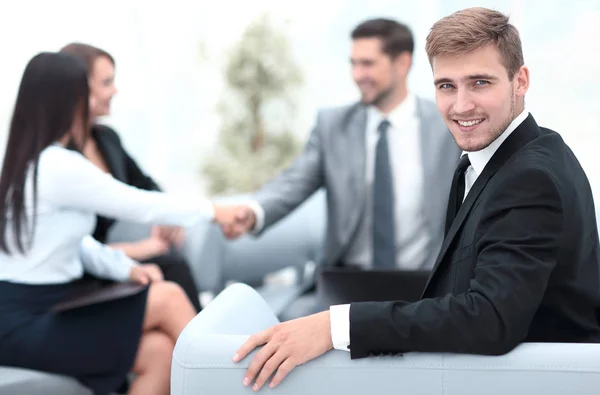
(295, 184)
(519, 237)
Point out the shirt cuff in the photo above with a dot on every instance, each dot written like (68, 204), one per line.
(103, 261)
(339, 316)
(259, 214)
(122, 272)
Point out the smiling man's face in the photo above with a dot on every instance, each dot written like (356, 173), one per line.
(476, 97)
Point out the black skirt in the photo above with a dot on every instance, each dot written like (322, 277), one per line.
(95, 344)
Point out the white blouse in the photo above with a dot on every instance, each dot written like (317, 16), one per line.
(71, 192)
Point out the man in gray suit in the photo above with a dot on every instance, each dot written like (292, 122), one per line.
(386, 163)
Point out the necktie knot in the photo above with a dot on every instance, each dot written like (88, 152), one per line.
(463, 164)
(383, 126)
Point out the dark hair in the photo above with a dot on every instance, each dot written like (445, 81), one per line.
(54, 87)
(87, 53)
(395, 36)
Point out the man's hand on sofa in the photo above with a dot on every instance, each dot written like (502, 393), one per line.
(235, 220)
(286, 345)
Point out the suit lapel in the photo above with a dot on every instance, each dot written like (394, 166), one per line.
(527, 131)
(352, 136)
(112, 154)
(356, 131)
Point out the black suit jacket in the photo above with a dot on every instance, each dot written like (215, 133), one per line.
(520, 262)
(121, 166)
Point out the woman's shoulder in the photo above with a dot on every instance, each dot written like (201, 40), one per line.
(57, 156)
(58, 151)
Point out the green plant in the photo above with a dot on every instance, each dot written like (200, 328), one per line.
(255, 140)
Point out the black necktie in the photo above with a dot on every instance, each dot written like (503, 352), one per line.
(457, 191)
(384, 237)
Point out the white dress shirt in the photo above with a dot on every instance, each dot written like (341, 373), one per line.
(71, 191)
(404, 142)
(340, 314)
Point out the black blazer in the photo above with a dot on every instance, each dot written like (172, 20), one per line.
(121, 166)
(519, 264)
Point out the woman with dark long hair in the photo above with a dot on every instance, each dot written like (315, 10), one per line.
(49, 199)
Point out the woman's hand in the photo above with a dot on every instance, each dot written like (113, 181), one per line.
(145, 274)
(174, 235)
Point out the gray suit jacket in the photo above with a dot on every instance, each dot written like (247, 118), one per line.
(334, 158)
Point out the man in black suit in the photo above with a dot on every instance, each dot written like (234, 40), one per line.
(520, 260)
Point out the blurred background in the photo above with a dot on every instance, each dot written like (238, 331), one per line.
(205, 85)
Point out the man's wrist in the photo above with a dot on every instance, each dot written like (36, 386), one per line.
(258, 215)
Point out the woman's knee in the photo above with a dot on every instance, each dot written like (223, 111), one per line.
(165, 296)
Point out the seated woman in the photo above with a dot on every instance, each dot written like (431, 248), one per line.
(105, 150)
(49, 199)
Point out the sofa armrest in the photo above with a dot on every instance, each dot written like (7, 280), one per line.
(202, 362)
(207, 368)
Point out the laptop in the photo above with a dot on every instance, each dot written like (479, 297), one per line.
(341, 285)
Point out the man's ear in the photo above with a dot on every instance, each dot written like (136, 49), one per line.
(402, 62)
(521, 80)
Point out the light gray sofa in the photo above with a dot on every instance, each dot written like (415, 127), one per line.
(294, 242)
(202, 362)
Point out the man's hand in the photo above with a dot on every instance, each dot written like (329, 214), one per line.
(286, 346)
(145, 274)
(235, 220)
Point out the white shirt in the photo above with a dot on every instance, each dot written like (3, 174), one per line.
(71, 191)
(404, 143)
(340, 314)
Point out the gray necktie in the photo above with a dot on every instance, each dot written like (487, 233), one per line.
(384, 237)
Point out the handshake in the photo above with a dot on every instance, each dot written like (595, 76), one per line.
(235, 220)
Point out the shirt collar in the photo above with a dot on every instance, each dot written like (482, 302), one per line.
(398, 116)
(479, 159)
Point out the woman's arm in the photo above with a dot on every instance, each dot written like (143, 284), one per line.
(66, 178)
(103, 261)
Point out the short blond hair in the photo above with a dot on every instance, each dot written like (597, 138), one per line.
(474, 28)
